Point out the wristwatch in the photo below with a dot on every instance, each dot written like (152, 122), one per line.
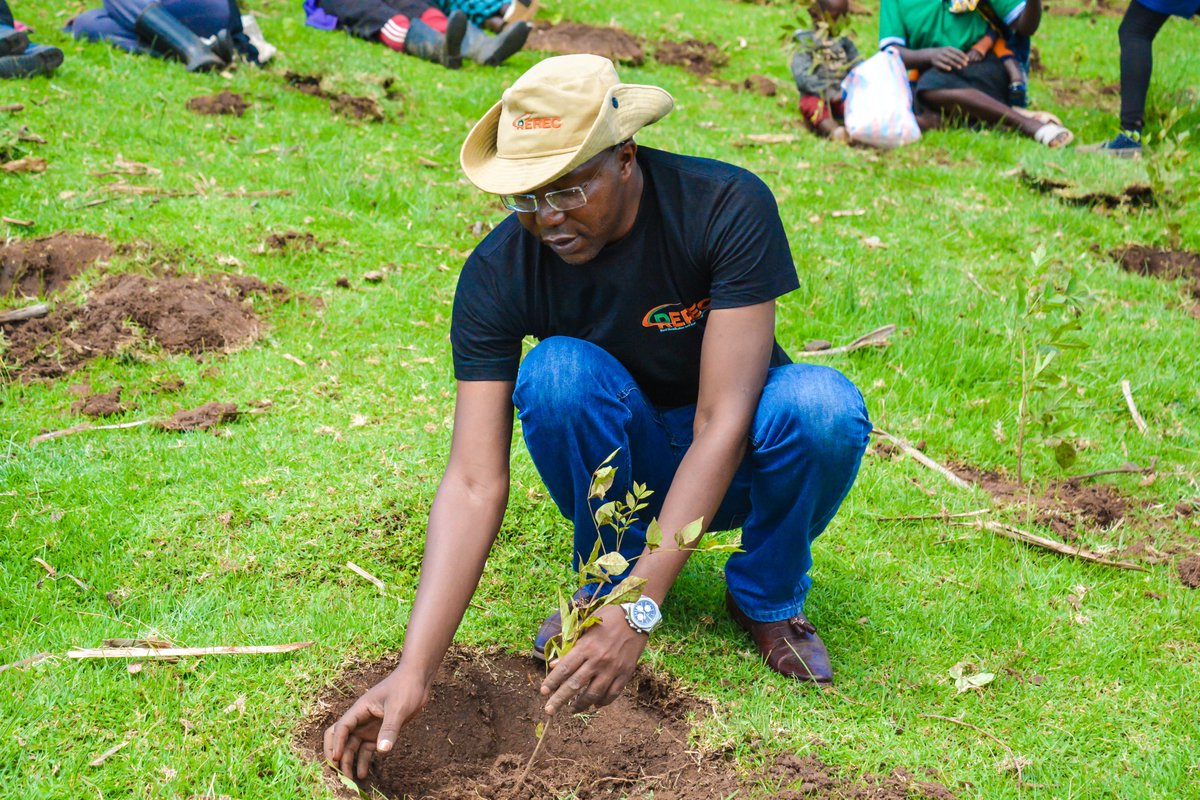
(642, 615)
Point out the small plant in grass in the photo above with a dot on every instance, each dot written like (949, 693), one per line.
(579, 610)
(1174, 172)
(1046, 317)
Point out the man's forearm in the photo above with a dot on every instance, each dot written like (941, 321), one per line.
(462, 527)
(1030, 19)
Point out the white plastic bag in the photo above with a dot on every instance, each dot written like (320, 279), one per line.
(879, 102)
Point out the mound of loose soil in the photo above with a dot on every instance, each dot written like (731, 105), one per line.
(1060, 507)
(1135, 195)
(1157, 263)
(104, 404)
(291, 240)
(697, 57)
(305, 84)
(225, 102)
(566, 38)
(131, 313)
(346, 105)
(760, 84)
(43, 266)
(1189, 571)
(476, 735)
(199, 419)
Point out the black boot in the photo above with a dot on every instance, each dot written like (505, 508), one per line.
(492, 50)
(12, 41)
(161, 29)
(424, 42)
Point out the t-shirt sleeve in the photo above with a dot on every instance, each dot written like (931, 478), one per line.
(1009, 10)
(891, 26)
(747, 247)
(485, 331)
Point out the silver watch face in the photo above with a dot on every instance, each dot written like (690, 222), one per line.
(644, 614)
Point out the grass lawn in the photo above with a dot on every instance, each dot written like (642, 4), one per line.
(243, 537)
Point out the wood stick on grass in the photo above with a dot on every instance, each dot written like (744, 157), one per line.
(876, 338)
(942, 516)
(922, 458)
(22, 314)
(1127, 390)
(1016, 762)
(357, 570)
(100, 759)
(1032, 539)
(178, 652)
(42, 437)
(27, 662)
(1124, 468)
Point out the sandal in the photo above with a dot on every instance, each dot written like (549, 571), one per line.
(1053, 136)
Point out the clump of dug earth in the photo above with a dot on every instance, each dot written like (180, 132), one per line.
(222, 103)
(477, 732)
(568, 38)
(39, 267)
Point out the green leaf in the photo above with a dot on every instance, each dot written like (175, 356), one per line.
(626, 591)
(613, 563)
(604, 514)
(349, 783)
(539, 730)
(602, 481)
(654, 534)
(1065, 454)
(713, 546)
(689, 533)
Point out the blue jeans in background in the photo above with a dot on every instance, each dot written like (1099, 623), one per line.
(577, 404)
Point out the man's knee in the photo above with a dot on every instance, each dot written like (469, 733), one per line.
(559, 374)
(814, 409)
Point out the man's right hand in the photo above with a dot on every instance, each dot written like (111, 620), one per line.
(373, 723)
(947, 59)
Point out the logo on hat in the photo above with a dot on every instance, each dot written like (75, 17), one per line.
(530, 123)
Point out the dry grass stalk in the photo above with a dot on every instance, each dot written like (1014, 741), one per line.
(177, 652)
(1016, 534)
(1127, 390)
(876, 338)
(921, 457)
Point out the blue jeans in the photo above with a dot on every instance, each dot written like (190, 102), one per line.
(577, 404)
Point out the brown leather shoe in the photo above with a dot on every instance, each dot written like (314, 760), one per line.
(790, 646)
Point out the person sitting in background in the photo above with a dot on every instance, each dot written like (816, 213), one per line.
(492, 15)
(203, 34)
(20, 58)
(933, 40)
(819, 64)
(418, 28)
(1143, 19)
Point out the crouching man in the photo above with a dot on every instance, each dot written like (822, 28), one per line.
(650, 280)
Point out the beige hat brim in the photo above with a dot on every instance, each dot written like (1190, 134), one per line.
(637, 107)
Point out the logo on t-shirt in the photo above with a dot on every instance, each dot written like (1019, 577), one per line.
(676, 316)
(530, 122)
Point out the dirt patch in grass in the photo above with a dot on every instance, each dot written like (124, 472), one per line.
(574, 37)
(476, 734)
(43, 266)
(696, 56)
(221, 103)
(290, 240)
(101, 404)
(198, 419)
(1062, 506)
(761, 85)
(130, 314)
(1135, 195)
(346, 105)
(1169, 265)
(1189, 571)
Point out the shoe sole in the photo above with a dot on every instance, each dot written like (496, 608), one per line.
(13, 43)
(27, 65)
(514, 37)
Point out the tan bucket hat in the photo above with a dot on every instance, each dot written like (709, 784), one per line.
(560, 113)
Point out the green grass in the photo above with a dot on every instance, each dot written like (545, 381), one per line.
(309, 485)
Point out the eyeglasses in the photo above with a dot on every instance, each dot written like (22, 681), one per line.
(560, 200)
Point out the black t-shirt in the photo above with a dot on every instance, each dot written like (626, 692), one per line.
(707, 236)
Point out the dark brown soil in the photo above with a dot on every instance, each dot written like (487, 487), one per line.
(575, 37)
(1061, 507)
(1135, 195)
(356, 107)
(106, 404)
(198, 419)
(132, 314)
(225, 102)
(1168, 265)
(476, 734)
(760, 84)
(291, 240)
(346, 105)
(1189, 571)
(43, 266)
(697, 57)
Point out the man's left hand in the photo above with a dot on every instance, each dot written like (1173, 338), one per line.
(598, 666)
